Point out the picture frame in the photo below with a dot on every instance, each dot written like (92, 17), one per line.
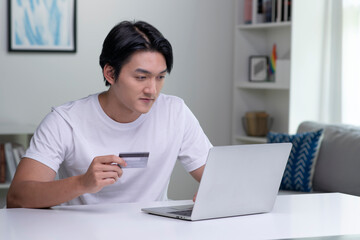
(258, 68)
(42, 26)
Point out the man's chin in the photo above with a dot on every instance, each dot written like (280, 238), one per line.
(144, 110)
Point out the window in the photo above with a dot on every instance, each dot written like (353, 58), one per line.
(351, 62)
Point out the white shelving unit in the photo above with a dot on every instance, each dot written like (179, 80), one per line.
(4, 186)
(263, 25)
(14, 129)
(272, 97)
(13, 133)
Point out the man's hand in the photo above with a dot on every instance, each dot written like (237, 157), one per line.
(34, 184)
(197, 174)
(103, 171)
(194, 198)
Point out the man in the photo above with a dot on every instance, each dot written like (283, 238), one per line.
(82, 140)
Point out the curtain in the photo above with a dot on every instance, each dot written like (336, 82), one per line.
(350, 62)
(330, 94)
(339, 95)
(325, 65)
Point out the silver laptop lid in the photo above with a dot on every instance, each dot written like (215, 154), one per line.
(241, 179)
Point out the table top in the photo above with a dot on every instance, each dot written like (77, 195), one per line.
(293, 216)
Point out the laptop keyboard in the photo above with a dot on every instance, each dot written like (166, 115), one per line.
(186, 213)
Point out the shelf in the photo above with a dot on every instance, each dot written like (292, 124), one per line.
(249, 139)
(263, 85)
(4, 185)
(264, 25)
(271, 97)
(9, 129)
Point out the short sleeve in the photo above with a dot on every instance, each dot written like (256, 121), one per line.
(49, 143)
(195, 144)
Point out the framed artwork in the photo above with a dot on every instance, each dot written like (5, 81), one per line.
(258, 68)
(42, 25)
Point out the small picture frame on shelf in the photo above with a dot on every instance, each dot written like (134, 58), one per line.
(258, 68)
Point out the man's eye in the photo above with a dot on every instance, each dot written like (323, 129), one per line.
(161, 77)
(141, 77)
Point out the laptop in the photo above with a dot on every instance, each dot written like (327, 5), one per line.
(237, 180)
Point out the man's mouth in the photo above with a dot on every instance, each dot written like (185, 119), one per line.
(147, 99)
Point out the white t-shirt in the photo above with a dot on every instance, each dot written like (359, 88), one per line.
(72, 135)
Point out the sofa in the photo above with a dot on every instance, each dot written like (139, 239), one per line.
(337, 168)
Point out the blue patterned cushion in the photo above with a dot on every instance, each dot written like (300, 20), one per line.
(300, 167)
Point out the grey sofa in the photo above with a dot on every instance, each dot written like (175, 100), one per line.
(337, 168)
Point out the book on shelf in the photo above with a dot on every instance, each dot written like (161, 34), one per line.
(2, 164)
(273, 10)
(284, 10)
(279, 13)
(10, 156)
(248, 11)
(259, 11)
(266, 11)
(253, 11)
(10, 161)
(288, 7)
(18, 151)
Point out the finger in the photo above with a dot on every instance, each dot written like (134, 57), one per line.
(108, 159)
(99, 168)
(110, 167)
(108, 181)
(121, 162)
(106, 175)
(115, 168)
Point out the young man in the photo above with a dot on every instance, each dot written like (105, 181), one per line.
(82, 140)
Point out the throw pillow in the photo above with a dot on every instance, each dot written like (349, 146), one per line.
(300, 166)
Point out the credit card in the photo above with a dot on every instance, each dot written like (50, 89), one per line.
(135, 160)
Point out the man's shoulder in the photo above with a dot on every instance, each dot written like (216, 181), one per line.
(170, 100)
(75, 109)
(76, 104)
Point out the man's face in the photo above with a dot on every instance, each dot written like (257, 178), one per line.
(140, 82)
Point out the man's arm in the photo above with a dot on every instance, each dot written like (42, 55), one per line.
(34, 186)
(197, 173)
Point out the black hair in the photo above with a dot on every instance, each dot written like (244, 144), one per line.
(128, 37)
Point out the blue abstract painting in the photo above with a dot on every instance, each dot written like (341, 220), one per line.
(42, 25)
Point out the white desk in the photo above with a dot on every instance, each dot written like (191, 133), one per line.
(293, 216)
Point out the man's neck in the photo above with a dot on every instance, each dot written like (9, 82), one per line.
(116, 112)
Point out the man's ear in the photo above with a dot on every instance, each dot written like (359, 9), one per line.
(109, 74)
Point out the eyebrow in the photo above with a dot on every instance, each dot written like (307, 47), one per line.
(140, 70)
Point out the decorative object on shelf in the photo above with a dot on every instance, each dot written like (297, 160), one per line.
(42, 26)
(258, 68)
(257, 124)
(272, 65)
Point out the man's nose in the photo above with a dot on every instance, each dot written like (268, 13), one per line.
(151, 86)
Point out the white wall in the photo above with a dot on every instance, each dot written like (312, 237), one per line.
(201, 32)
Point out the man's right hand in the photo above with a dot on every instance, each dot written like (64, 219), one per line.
(103, 171)
(34, 184)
